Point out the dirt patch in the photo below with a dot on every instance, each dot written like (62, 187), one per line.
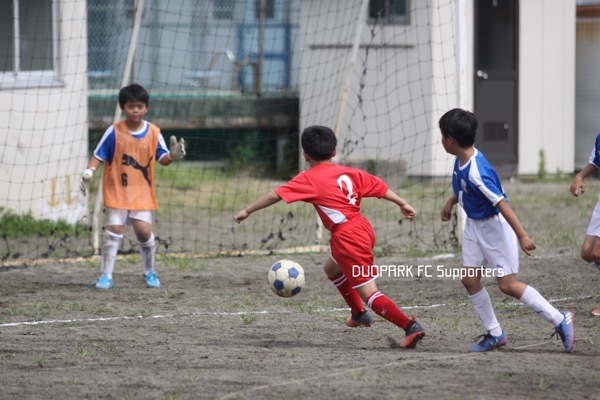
(215, 331)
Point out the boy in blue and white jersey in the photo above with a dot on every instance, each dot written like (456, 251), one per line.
(590, 250)
(491, 233)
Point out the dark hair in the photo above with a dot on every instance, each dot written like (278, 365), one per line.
(461, 125)
(133, 92)
(318, 142)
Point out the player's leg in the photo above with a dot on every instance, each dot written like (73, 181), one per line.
(353, 249)
(113, 234)
(387, 309)
(141, 222)
(590, 250)
(504, 254)
(480, 299)
(528, 295)
(473, 258)
(359, 317)
(563, 322)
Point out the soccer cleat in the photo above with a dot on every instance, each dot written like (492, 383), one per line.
(104, 283)
(596, 312)
(363, 318)
(152, 280)
(489, 342)
(414, 333)
(566, 331)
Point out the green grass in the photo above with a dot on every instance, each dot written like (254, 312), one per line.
(13, 225)
(247, 319)
(190, 193)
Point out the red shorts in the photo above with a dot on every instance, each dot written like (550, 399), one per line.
(352, 249)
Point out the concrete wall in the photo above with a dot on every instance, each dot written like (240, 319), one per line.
(44, 131)
(408, 79)
(425, 69)
(587, 84)
(546, 85)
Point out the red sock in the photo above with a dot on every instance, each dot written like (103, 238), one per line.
(349, 294)
(386, 308)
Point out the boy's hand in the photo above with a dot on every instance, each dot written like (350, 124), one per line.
(86, 177)
(241, 215)
(577, 186)
(177, 149)
(447, 212)
(527, 245)
(408, 211)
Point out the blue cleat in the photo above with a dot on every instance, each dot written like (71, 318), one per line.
(104, 283)
(152, 280)
(489, 342)
(566, 331)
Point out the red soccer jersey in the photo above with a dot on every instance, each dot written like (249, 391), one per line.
(334, 190)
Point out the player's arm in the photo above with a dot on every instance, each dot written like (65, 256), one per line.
(447, 208)
(88, 174)
(577, 187)
(527, 245)
(406, 208)
(267, 200)
(175, 152)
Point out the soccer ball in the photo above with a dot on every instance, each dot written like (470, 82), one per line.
(286, 278)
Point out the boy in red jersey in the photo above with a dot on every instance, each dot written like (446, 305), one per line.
(336, 192)
(129, 149)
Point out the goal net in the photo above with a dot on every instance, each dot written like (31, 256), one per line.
(238, 80)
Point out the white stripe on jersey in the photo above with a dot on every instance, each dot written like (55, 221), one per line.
(334, 215)
(475, 177)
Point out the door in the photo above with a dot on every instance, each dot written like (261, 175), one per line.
(495, 86)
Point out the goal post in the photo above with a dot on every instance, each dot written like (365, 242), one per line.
(238, 80)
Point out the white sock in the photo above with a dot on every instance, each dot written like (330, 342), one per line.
(148, 254)
(534, 300)
(110, 247)
(483, 307)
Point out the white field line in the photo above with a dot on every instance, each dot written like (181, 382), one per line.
(225, 314)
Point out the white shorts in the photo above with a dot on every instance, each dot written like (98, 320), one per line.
(118, 216)
(594, 226)
(491, 243)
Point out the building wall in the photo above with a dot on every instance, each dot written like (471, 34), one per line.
(588, 84)
(440, 45)
(409, 76)
(44, 146)
(546, 85)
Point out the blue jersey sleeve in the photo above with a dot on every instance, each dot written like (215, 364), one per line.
(105, 150)
(161, 149)
(477, 187)
(595, 156)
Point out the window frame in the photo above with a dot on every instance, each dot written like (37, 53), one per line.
(17, 78)
(270, 9)
(391, 19)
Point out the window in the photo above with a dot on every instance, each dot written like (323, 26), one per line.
(27, 43)
(269, 9)
(223, 9)
(390, 11)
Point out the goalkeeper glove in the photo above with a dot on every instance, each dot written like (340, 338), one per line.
(177, 149)
(86, 177)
